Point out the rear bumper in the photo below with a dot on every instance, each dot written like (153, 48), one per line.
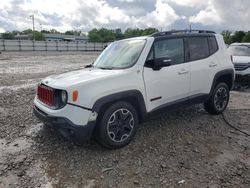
(65, 127)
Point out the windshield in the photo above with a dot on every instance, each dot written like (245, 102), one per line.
(240, 50)
(120, 54)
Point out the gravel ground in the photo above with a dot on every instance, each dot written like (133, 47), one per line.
(184, 148)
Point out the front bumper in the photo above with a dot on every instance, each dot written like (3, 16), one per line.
(65, 127)
(242, 76)
(242, 69)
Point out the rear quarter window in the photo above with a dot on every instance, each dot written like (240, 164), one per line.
(213, 46)
(198, 48)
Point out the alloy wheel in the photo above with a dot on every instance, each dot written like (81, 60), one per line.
(120, 125)
(221, 98)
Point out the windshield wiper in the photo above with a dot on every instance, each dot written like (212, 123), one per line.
(105, 68)
(89, 66)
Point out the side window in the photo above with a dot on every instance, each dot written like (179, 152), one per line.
(170, 48)
(198, 48)
(213, 46)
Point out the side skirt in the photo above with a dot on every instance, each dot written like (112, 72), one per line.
(188, 101)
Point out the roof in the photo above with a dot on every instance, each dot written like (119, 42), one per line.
(22, 36)
(62, 36)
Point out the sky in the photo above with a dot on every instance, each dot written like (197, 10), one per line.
(85, 15)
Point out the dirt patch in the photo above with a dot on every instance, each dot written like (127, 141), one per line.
(184, 148)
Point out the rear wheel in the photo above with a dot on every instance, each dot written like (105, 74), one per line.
(218, 101)
(117, 126)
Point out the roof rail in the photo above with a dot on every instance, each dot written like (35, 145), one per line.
(187, 31)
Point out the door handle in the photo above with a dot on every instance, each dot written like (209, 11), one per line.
(182, 72)
(212, 64)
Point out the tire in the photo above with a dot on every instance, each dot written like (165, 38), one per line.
(117, 126)
(218, 101)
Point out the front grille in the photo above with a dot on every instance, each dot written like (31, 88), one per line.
(241, 67)
(45, 94)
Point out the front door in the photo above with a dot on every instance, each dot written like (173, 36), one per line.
(170, 83)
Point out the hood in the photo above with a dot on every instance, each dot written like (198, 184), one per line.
(241, 59)
(62, 81)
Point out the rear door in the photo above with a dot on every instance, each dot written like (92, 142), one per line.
(170, 83)
(203, 63)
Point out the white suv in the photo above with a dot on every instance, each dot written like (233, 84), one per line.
(133, 78)
(240, 53)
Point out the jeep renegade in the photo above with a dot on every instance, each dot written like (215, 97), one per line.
(135, 77)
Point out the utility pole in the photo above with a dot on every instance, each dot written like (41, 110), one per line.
(41, 27)
(33, 24)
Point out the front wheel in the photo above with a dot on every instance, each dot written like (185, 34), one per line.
(218, 101)
(117, 126)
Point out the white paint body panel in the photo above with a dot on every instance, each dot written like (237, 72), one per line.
(203, 71)
(166, 83)
(77, 115)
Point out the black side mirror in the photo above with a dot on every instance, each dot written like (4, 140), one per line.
(162, 62)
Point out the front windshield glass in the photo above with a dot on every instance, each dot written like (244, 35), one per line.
(120, 54)
(240, 50)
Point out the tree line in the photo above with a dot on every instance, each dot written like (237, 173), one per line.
(95, 35)
(107, 35)
(238, 36)
(37, 35)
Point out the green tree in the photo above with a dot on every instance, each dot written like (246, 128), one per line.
(118, 34)
(15, 32)
(72, 33)
(101, 35)
(7, 35)
(27, 31)
(38, 36)
(227, 36)
(133, 32)
(238, 36)
(53, 31)
(94, 36)
(149, 31)
(106, 35)
(246, 37)
(45, 31)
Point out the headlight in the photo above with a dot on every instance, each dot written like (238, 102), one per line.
(61, 98)
(64, 97)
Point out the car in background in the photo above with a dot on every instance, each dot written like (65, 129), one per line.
(240, 53)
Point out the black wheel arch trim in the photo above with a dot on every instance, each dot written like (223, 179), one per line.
(220, 74)
(124, 95)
